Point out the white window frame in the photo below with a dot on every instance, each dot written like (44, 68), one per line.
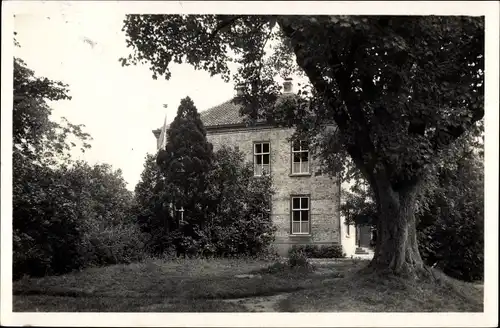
(261, 155)
(300, 209)
(181, 211)
(300, 151)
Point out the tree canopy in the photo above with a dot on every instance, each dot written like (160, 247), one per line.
(35, 137)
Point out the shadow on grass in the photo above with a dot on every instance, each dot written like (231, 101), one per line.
(362, 292)
(206, 286)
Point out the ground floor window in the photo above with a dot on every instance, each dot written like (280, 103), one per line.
(179, 214)
(300, 215)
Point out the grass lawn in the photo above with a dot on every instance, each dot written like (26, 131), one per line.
(212, 286)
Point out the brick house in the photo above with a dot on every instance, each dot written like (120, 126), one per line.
(305, 206)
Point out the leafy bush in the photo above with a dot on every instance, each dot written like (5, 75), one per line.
(241, 223)
(323, 251)
(47, 237)
(121, 243)
(297, 258)
(66, 214)
(238, 221)
(71, 217)
(451, 229)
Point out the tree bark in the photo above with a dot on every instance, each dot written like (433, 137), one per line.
(396, 249)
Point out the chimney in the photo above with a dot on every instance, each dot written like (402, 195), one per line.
(240, 87)
(287, 85)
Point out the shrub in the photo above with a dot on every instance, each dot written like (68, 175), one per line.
(241, 223)
(122, 243)
(236, 223)
(451, 228)
(47, 238)
(323, 251)
(297, 260)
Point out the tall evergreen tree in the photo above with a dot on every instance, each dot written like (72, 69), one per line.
(185, 163)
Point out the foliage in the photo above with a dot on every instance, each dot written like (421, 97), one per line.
(46, 233)
(298, 259)
(149, 184)
(226, 210)
(66, 214)
(238, 221)
(122, 243)
(451, 228)
(241, 224)
(450, 213)
(358, 206)
(392, 92)
(35, 137)
(432, 59)
(47, 237)
(185, 164)
(106, 214)
(315, 251)
(72, 217)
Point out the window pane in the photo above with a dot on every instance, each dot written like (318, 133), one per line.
(258, 159)
(295, 227)
(266, 169)
(258, 148)
(296, 145)
(304, 227)
(296, 203)
(304, 202)
(265, 159)
(304, 167)
(265, 148)
(296, 168)
(305, 215)
(257, 169)
(304, 145)
(296, 157)
(304, 156)
(296, 216)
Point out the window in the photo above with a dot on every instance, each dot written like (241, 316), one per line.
(261, 158)
(179, 214)
(300, 215)
(300, 157)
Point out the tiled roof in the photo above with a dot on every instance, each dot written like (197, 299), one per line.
(226, 113)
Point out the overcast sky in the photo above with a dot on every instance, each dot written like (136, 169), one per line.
(119, 106)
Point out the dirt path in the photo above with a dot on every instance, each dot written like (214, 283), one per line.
(260, 304)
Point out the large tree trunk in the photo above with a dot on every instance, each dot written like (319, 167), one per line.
(396, 249)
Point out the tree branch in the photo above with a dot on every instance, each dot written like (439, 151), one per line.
(224, 23)
(362, 144)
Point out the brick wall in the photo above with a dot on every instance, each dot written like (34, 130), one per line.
(323, 191)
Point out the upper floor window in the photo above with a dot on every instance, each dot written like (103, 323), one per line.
(300, 157)
(261, 158)
(300, 215)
